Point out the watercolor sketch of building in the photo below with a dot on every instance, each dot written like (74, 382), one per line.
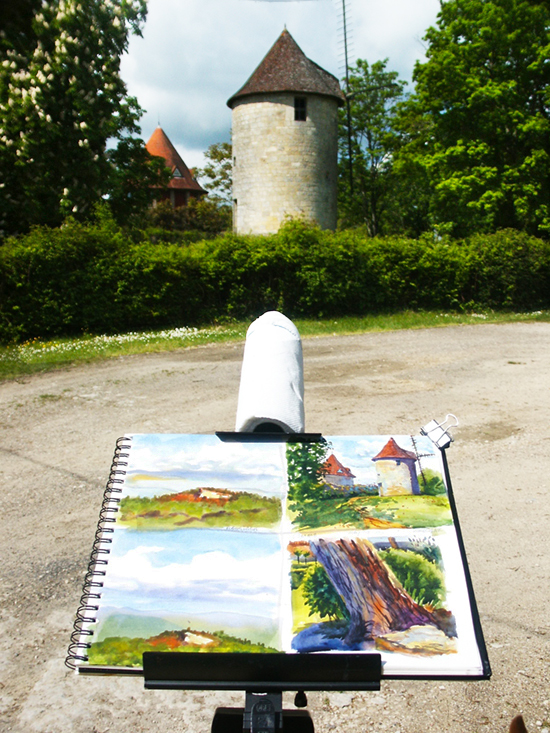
(396, 470)
(337, 475)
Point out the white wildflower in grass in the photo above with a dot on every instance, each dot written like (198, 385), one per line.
(45, 353)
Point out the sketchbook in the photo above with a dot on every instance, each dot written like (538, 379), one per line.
(330, 546)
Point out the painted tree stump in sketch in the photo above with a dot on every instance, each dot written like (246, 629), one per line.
(376, 601)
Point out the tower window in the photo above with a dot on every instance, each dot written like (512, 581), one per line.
(300, 109)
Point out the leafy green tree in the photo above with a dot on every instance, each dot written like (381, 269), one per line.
(16, 20)
(200, 215)
(133, 178)
(305, 488)
(217, 174)
(321, 596)
(304, 470)
(479, 123)
(368, 196)
(61, 100)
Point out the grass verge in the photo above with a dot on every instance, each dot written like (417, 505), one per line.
(40, 356)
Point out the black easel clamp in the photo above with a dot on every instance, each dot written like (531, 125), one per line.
(263, 714)
(264, 678)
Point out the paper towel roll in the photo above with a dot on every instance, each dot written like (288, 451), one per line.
(272, 376)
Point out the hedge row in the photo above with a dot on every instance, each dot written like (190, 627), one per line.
(94, 279)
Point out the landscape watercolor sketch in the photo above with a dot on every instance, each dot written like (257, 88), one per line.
(347, 544)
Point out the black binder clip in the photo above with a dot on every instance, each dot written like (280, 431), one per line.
(438, 432)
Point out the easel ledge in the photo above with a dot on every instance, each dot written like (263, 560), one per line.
(255, 672)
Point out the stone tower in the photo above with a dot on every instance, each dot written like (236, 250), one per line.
(285, 142)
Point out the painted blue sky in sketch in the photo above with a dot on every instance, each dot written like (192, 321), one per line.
(186, 462)
(195, 572)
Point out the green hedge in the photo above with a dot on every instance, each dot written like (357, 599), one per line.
(95, 279)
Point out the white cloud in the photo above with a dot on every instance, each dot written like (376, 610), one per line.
(135, 571)
(195, 54)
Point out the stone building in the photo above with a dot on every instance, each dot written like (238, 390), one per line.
(396, 470)
(182, 186)
(285, 142)
(337, 475)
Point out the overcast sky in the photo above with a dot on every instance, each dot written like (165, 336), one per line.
(195, 54)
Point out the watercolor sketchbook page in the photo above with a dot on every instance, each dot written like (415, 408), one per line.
(349, 544)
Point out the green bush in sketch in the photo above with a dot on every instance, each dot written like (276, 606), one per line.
(431, 483)
(423, 580)
(321, 596)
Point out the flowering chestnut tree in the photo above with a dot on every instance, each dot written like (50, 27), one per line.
(61, 101)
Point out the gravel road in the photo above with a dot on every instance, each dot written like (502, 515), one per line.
(57, 436)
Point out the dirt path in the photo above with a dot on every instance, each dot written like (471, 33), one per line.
(57, 435)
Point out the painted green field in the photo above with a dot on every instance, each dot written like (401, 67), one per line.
(176, 511)
(121, 651)
(405, 511)
(375, 512)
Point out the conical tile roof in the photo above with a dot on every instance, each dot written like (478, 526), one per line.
(393, 451)
(285, 68)
(160, 145)
(333, 467)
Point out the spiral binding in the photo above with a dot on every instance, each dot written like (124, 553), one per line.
(91, 589)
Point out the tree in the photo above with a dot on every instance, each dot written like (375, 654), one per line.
(61, 100)
(217, 176)
(16, 20)
(321, 596)
(304, 469)
(200, 215)
(133, 178)
(479, 123)
(373, 94)
(376, 602)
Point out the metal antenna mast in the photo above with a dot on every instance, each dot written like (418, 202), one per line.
(348, 96)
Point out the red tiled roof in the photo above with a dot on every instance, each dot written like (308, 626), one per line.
(160, 145)
(285, 68)
(333, 467)
(392, 450)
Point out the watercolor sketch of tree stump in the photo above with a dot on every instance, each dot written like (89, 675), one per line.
(377, 603)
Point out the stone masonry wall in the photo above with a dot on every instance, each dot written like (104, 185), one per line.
(281, 167)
